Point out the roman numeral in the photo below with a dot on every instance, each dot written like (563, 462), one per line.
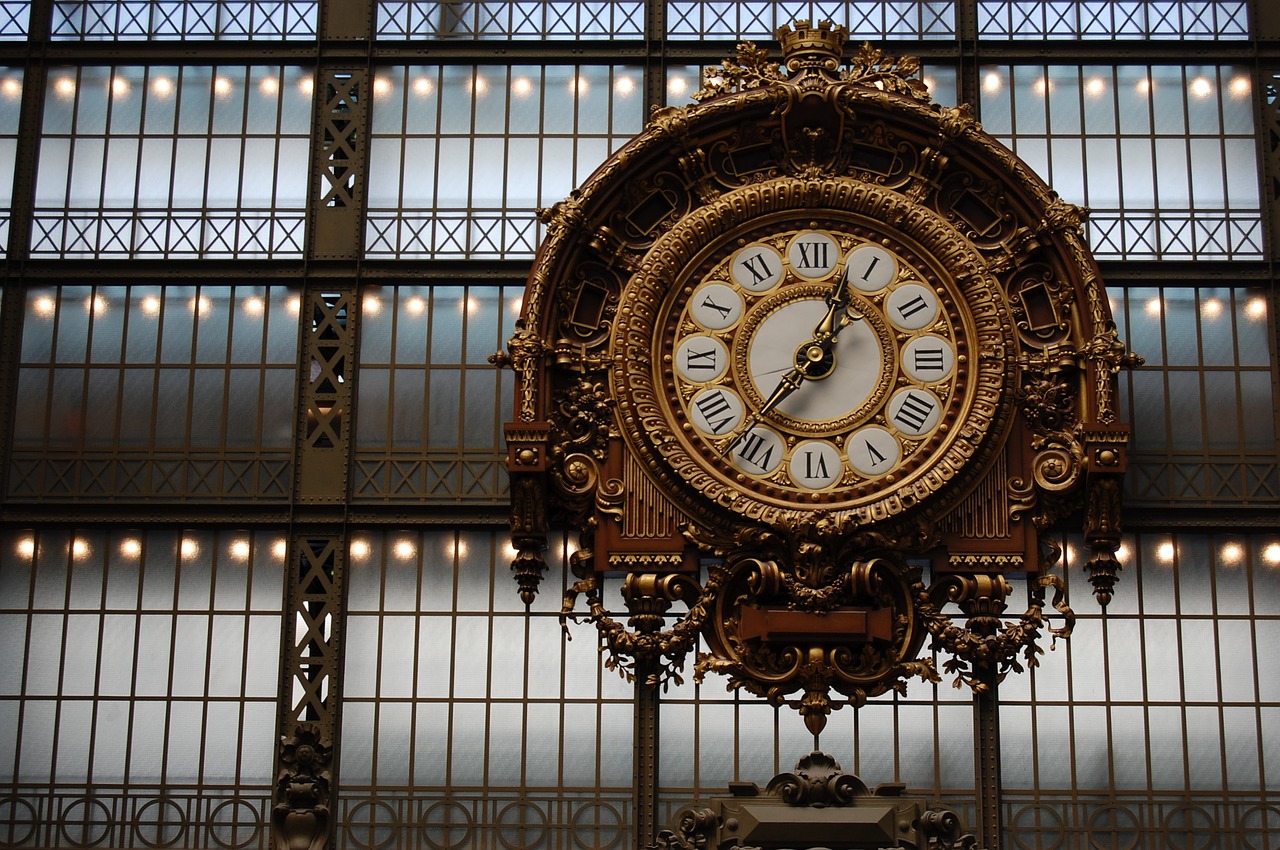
(816, 260)
(914, 412)
(723, 311)
(866, 274)
(700, 359)
(753, 451)
(815, 471)
(712, 405)
(758, 267)
(929, 360)
(876, 457)
(910, 308)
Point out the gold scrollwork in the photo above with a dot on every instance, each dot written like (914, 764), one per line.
(1057, 467)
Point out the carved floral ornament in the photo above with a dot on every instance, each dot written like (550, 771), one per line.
(811, 369)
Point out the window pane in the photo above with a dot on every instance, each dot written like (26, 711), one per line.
(108, 178)
(157, 392)
(1169, 118)
(537, 129)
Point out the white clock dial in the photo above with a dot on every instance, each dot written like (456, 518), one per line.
(716, 411)
(870, 268)
(813, 255)
(756, 268)
(759, 452)
(928, 358)
(914, 411)
(815, 465)
(912, 306)
(873, 450)
(701, 358)
(773, 354)
(716, 306)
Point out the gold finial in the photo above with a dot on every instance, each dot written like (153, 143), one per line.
(805, 46)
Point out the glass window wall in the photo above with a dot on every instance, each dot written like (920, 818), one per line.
(138, 686)
(184, 19)
(462, 157)
(134, 392)
(1165, 157)
(173, 162)
(571, 20)
(1113, 19)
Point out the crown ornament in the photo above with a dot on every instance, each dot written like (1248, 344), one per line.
(806, 47)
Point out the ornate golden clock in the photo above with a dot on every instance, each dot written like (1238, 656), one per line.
(811, 360)
(809, 357)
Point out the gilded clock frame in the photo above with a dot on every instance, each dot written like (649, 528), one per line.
(798, 601)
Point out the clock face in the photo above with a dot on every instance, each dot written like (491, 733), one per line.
(811, 360)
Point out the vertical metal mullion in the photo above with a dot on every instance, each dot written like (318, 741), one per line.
(137, 164)
(97, 670)
(1179, 562)
(159, 371)
(26, 655)
(173, 655)
(192, 385)
(264, 370)
(1081, 82)
(487, 778)
(216, 537)
(655, 57)
(1221, 87)
(121, 371)
(136, 666)
(205, 236)
(415, 670)
(453, 678)
(399, 213)
(380, 645)
(35, 76)
(505, 211)
(180, 77)
(112, 75)
(74, 137)
(13, 302)
(1215, 563)
(62, 656)
(1119, 149)
(969, 68)
(239, 211)
(1251, 566)
(86, 379)
(227, 388)
(243, 696)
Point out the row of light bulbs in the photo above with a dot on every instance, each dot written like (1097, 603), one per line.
(163, 87)
(131, 547)
(254, 305)
(1200, 87)
(98, 305)
(406, 549)
(240, 549)
(1211, 308)
(992, 83)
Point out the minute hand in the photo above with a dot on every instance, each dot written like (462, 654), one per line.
(790, 382)
(810, 358)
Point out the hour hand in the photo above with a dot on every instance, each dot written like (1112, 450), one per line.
(836, 316)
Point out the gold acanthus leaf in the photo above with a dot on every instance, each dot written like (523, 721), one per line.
(873, 67)
(751, 70)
